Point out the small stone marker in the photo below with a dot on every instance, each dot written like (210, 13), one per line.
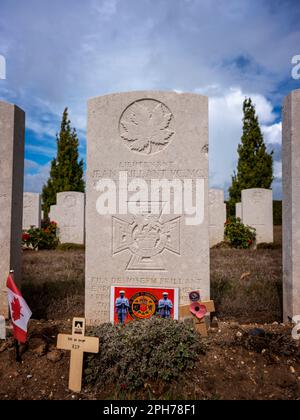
(78, 344)
(2, 328)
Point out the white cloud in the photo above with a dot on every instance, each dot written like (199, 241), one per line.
(41, 150)
(42, 128)
(105, 8)
(34, 180)
(117, 45)
(278, 170)
(30, 165)
(273, 133)
(226, 114)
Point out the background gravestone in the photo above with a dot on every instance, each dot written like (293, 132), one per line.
(69, 212)
(31, 210)
(239, 211)
(146, 135)
(217, 216)
(257, 211)
(53, 213)
(12, 126)
(291, 205)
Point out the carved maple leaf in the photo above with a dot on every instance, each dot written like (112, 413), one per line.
(144, 127)
(16, 309)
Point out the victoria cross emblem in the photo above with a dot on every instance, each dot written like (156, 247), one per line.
(146, 237)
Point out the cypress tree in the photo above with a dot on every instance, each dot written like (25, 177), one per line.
(66, 173)
(255, 164)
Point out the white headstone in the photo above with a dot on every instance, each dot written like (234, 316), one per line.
(31, 210)
(12, 129)
(70, 209)
(217, 216)
(135, 141)
(53, 213)
(257, 210)
(291, 206)
(238, 211)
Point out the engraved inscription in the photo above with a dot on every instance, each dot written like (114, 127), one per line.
(69, 202)
(257, 197)
(146, 126)
(146, 237)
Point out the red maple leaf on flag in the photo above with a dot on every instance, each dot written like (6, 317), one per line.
(16, 309)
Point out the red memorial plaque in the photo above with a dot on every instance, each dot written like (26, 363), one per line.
(143, 302)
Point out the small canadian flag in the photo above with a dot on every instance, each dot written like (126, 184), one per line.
(19, 310)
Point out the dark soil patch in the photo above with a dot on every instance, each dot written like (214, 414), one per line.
(230, 369)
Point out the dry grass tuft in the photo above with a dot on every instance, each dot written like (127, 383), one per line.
(53, 283)
(247, 284)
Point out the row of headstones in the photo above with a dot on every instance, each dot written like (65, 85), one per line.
(113, 255)
(68, 214)
(256, 210)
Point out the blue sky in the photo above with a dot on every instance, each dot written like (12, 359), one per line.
(62, 52)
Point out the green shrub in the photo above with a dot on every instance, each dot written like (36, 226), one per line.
(142, 352)
(41, 238)
(239, 235)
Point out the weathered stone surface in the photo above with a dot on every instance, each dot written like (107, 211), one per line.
(217, 216)
(53, 214)
(2, 328)
(70, 209)
(145, 136)
(291, 205)
(12, 126)
(239, 211)
(257, 210)
(31, 210)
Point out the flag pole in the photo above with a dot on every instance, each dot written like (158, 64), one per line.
(17, 344)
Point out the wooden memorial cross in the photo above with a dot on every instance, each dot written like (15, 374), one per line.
(78, 344)
(185, 312)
